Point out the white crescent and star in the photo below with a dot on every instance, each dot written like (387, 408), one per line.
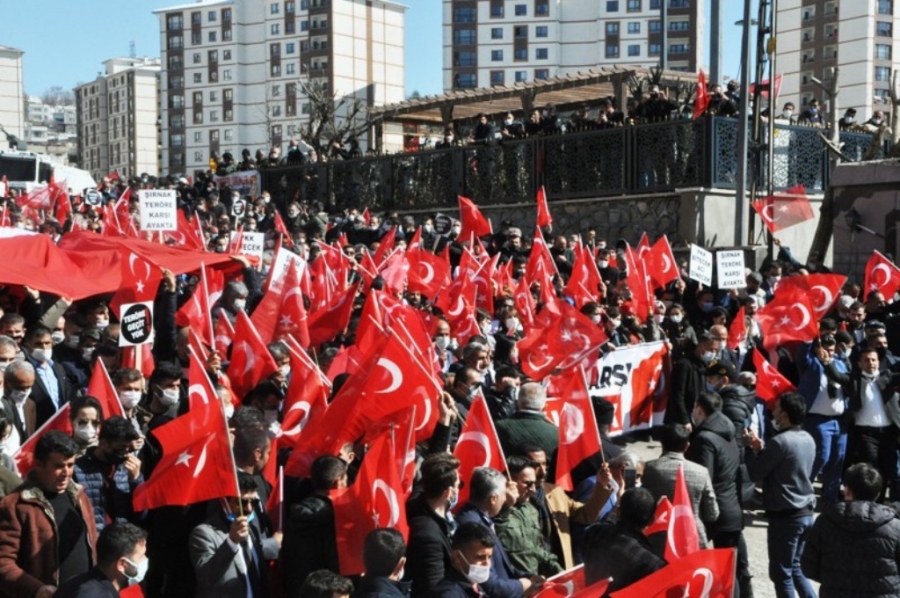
(887, 274)
(200, 390)
(707, 576)
(427, 415)
(667, 263)
(306, 407)
(827, 294)
(805, 318)
(574, 423)
(479, 438)
(458, 308)
(678, 511)
(541, 366)
(430, 269)
(396, 375)
(391, 496)
(201, 461)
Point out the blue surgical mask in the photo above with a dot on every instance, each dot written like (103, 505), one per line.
(232, 516)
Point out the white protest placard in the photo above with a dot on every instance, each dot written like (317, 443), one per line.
(281, 263)
(701, 266)
(136, 324)
(730, 269)
(252, 244)
(158, 209)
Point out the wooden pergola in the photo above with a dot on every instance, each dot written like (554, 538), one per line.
(566, 92)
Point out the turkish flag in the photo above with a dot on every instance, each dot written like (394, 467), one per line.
(224, 335)
(472, 220)
(282, 229)
(196, 463)
(661, 264)
(764, 85)
(195, 313)
(525, 306)
(561, 341)
(583, 284)
(139, 357)
(570, 584)
(638, 282)
(62, 207)
(579, 436)
(4, 217)
(201, 391)
(307, 394)
(374, 501)
(385, 246)
(24, 457)
(328, 322)
(881, 275)
(784, 209)
(102, 389)
(366, 216)
(140, 280)
(737, 332)
(236, 244)
(394, 271)
(540, 267)
(454, 300)
(543, 210)
(684, 539)
(428, 273)
(701, 97)
(706, 573)
(251, 361)
(478, 446)
(770, 384)
(483, 281)
(822, 289)
(788, 317)
(281, 312)
(187, 235)
(660, 518)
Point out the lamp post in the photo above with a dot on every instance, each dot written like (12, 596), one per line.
(741, 206)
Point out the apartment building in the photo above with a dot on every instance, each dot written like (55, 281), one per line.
(502, 42)
(117, 118)
(12, 93)
(232, 70)
(814, 36)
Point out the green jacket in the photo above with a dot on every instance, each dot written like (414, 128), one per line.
(526, 429)
(519, 530)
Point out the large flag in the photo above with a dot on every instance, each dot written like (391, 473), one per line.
(564, 341)
(472, 220)
(540, 267)
(823, 289)
(478, 446)
(683, 537)
(375, 500)
(140, 280)
(102, 389)
(24, 457)
(583, 284)
(785, 209)
(579, 436)
(770, 384)
(706, 573)
(790, 316)
(543, 210)
(701, 97)
(881, 275)
(196, 463)
(251, 361)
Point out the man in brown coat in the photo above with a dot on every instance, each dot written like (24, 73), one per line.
(47, 528)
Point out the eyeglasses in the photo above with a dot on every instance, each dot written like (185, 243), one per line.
(530, 484)
(249, 504)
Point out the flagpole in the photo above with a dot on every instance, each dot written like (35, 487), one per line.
(593, 415)
(280, 497)
(494, 430)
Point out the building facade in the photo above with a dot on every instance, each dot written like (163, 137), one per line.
(117, 116)
(233, 70)
(814, 36)
(12, 93)
(502, 42)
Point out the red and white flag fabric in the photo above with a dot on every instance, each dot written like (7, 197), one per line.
(102, 389)
(737, 332)
(703, 574)
(770, 384)
(140, 280)
(561, 341)
(571, 584)
(251, 361)
(661, 265)
(660, 522)
(789, 316)
(195, 312)
(823, 290)
(540, 267)
(281, 312)
(579, 436)
(784, 209)
(331, 320)
(639, 282)
(224, 334)
(764, 87)
(282, 229)
(701, 96)
(307, 395)
(543, 209)
(583, 285)
(196, 463)
(24, 457)
(478, 446)
(881, 275)
(683, 537)
(428, 273)
(472, 220)
(375, 500)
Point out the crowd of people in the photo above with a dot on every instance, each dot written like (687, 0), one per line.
(69, 527)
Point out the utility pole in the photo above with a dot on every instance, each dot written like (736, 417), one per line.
(741, 206)
(664, 26)
(715, 43)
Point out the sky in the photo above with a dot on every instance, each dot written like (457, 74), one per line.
(69, 47)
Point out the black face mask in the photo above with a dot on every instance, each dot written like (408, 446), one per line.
(119, 457)
(882, 353)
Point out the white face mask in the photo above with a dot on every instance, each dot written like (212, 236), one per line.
(138, 576)
(240, 304)
(512, 324)
(130, 398)
(775, 425)
(87, 353)
(57, 336)
(86, 433)
(229, 410)
(169, 396)
(428, 228)
(707, 357)
(602, 264)
(42, 355)
(676, 318)
(787, 113)
(477, 573)
(596, 318)
(659, 318)
(285, 370)
(442, 342)
(18, 396)
(102, 324)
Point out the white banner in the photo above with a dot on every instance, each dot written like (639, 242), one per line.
(701, 266)
(252, 243)
(730, 269)
(247, 182)
(158, 209)
(280, 265)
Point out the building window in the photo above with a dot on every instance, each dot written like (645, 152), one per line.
(214, 96)
(541, 54)
(275, 29)
(196, 18)
(229, 115)
(198, 77)
(196, 39)
(226, 75)
(214, 136)
(290, 69)
(174, 22)
(212, 56)
(520, 32)
(883, 51)
(176, 121)
(541, 74)
(882, 73)
(175, 63)
(198, 156)
(228, 94)
(496, 32)
(655, 4)
(290, 27)
(174, 43)
(289, 7)
(213, 116)
(212, 36)
(634, 27)
(273, 8)
(304, 108)
(198, 136)
(177, 101)
(226, 35)
(655, 27)
(521, 76)
(464, 58)
(198, 97)
(521, 54)
(679, 3)
(290, 48)
(541, 31)
(542, 9)
(679, 26)
(464, 15)
(678, 48)
(612, 5)
(496, 10)
(275, 71)
(883, 29)
(612, 28)
(496, 55)
(464, 37)
(634, 50)
(226, 54)
(176, 140)
(496, 77)
(276, 131)
(176, 81)
(275, 49)
(211, 16)
(634, 6)
(276, 90)
(466, 80)
(612, 50)
(226, 14)
(885, 7)
(276, 111)
(228, 134)
(521, 10)
(304, 25)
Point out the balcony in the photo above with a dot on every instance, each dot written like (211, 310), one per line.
(633, 160)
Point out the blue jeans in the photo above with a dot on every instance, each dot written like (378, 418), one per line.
(786, 539)
(831, 449)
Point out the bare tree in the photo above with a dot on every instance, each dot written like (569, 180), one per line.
(56, 95)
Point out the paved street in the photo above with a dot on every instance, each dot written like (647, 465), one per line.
(754, 530)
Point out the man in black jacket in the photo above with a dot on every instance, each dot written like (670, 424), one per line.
(688, 382)
(384, 557)
(713, 445)
(853, 548)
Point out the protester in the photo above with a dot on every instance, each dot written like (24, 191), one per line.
(121, 563)
(384, 556)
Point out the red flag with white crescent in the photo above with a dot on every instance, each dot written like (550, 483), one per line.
(251, 361)
(881, 275)
(24, 457)
(683, 537)
(102, 389)
(579, 436)
(543, 210)
(705, 573)
(307, 394)
(478, 446)
(661, 264)
(770, 383)
(472, 220)
(789, 316)
(823, 290)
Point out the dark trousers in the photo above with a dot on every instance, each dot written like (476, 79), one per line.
(736, 540)
(878, 448)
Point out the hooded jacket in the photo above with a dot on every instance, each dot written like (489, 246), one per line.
(853, 549)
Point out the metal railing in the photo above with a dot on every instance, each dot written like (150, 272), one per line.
(640, 159)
